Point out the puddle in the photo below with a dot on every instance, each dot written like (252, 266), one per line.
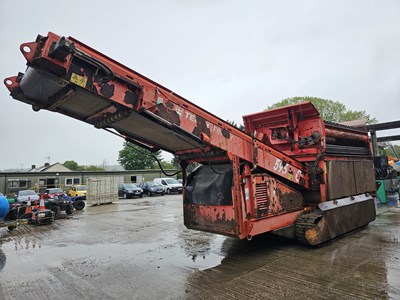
(171, 253)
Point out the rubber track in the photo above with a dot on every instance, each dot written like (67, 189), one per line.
(305, 222)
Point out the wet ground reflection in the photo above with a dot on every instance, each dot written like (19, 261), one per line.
(364, 264)
(140, 249)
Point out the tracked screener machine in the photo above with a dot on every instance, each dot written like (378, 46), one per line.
(288, 173)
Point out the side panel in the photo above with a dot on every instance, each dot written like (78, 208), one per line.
(341, 180)
(216, 219)
(364, 176)
(271, 197)
(347, 178)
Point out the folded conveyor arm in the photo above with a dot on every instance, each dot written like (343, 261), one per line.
(66, 76)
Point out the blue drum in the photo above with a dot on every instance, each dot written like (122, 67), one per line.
(4, 207)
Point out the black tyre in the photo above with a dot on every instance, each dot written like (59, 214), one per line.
(141, 196)
(168, 191)
(149, 194)
(125, 196)
(56, 211)
(69, 209)
(10, 228)
(79, 205)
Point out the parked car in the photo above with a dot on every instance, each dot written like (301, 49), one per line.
(22, 196)
(77, 191)
(129, 190)
(171, 185)
(151, 188)
(52, 193)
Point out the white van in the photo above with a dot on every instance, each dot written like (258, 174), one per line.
(171, 185)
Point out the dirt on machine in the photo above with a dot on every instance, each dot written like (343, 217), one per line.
(289, 172)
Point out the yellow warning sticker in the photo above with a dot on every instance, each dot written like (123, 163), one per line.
(78, 80)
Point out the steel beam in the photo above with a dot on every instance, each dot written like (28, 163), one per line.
(389, 138)
(384, 126)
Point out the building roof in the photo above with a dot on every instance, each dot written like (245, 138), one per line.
(56, 167)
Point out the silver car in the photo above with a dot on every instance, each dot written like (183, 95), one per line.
(22, 196)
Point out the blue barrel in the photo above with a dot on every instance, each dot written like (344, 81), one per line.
(4, 207)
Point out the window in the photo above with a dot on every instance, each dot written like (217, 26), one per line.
(172, 181)
(13, 183)
(47, 182)
(72, 181)
(18, 183)
(133, 178)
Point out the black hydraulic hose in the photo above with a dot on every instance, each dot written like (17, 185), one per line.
(157, 160)
(144, 153)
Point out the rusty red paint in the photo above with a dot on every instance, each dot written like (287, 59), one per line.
(274, 223)
(217, 219)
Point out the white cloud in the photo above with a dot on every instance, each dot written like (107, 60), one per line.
(229, 57)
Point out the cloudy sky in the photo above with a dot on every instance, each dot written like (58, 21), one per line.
(229, 57)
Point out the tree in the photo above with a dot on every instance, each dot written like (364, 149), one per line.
(238, 126)
(329, 110)
(133, 157)
(175, 162)
(71, 164)
(166, 165)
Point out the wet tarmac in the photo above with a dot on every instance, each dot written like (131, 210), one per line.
(139, 249)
